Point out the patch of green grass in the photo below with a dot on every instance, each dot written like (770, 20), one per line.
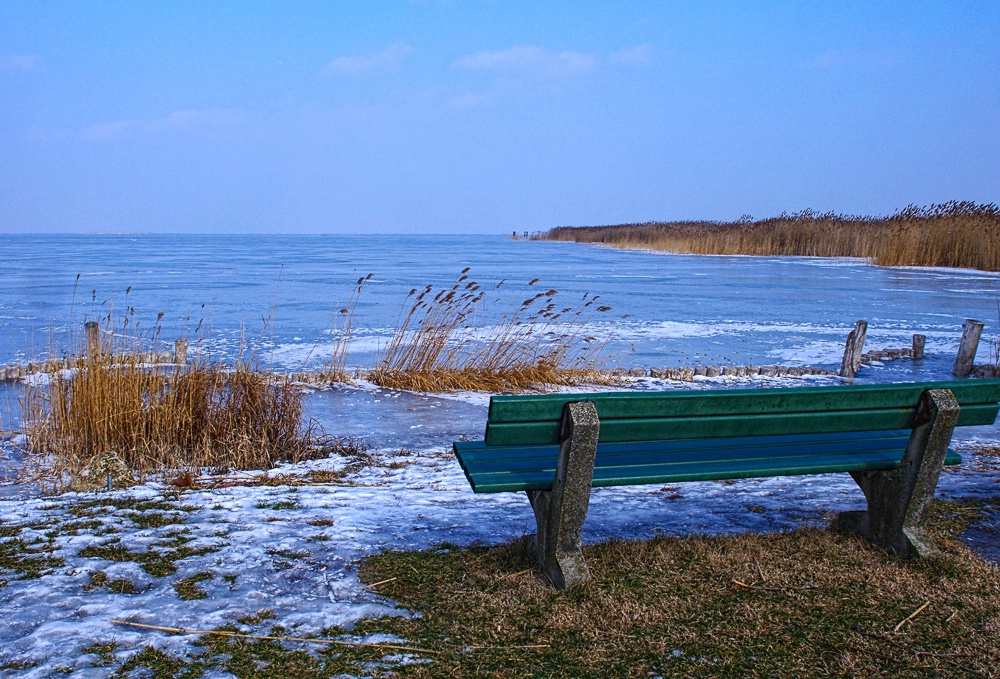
(160, 663)
(278, 505)
(188, 587)
(88, 526)
(29, 559)
(159, 561)
(19, 665)
(106, 652)
(257, 618)
(119, 586)
(91, 508)
(288, 553)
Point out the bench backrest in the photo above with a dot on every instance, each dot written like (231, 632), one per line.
(653, 416)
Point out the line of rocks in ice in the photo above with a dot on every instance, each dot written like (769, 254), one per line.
(16, 371)
(688, 374)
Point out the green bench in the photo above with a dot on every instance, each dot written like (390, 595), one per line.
(892, 439)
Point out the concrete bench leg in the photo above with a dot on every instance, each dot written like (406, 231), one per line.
(899, 500)
(561, 511)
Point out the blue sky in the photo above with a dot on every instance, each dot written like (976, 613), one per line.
(466, 116)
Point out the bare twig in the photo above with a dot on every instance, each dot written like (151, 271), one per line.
(382, 582)
(911, 616)
(774, 589)
(518, 574)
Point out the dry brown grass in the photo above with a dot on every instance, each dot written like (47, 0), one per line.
(801, 604)
(161, 420)
(953, 234)
(536, 341)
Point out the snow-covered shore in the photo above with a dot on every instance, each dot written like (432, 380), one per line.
(293, 549)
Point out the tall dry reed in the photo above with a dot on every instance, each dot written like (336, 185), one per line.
(535, 341)
(160, 418)
(953, 234)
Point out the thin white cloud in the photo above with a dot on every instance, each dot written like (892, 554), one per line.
(366, 64)
(528, 59)
(20, 62)
(640, 54)
(184, 120)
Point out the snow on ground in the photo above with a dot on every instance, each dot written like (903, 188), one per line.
(269, 547)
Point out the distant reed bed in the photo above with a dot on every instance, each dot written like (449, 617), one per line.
(952, 234)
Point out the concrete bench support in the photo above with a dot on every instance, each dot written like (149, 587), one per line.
(899, 500)
(560, 512)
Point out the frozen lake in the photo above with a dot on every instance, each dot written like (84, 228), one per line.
(667, 310)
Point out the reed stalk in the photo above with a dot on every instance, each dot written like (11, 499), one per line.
(536, 341)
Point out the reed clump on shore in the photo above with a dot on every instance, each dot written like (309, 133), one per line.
(159, 419)
(953, 234)
(536, 341)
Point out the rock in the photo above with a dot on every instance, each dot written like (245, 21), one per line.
(711, 371)
(700, 371)
(620, 372)
(95, 475)
(638, 372)
(658, 373)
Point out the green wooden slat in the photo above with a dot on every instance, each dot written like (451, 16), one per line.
(537, 433)
(668, 456)
(700, 471)
(471, 452)
(738, 401)
(748, 447)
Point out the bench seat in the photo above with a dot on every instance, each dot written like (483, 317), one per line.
(892, 439)
(496, 469)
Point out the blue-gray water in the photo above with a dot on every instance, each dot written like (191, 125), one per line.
(679, 309)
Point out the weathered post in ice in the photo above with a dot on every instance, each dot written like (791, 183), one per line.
(918, 346)
(180, 351)
(971, 332)
(93, 334)
(853, 350)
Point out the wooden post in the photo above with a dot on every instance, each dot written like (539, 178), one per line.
(918, 346)
(971, 332)
(93, 333)
(899, 500)
(180, 351)
(855, 346)
(560, 512)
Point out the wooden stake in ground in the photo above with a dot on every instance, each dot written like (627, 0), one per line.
(971, 332)
(853, 349)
